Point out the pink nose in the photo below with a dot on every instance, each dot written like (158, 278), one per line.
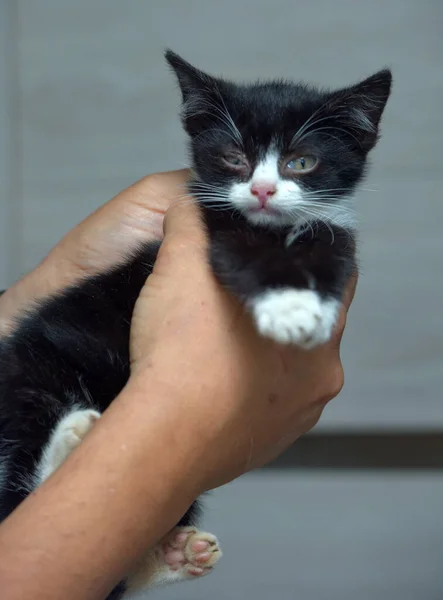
(263, 191)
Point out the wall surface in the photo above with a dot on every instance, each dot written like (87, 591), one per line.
(325, 536)
(87, 106)
(93, 108)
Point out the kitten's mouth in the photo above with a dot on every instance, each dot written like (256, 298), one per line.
(266, 215)
(263, 210)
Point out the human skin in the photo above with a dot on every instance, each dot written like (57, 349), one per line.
(207, 400)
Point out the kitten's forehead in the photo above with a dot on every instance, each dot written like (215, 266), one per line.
(270, 114)
(278, 94)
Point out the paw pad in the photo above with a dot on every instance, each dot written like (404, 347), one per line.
(192, 551)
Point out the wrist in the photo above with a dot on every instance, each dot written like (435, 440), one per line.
(159, 414)
(136, 479)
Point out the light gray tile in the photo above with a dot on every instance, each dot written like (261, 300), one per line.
(325, 536)
(9, 168)
(100, 111)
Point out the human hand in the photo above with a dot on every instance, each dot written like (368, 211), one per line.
(248, 408)
(236, 401)
(101, 240)
(242, 398)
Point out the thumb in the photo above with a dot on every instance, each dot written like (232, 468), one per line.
(183, 219)
(173, 289)
(185, 237)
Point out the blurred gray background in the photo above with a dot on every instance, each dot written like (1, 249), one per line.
(87, 106)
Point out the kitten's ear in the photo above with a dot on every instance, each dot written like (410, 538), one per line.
(199, 92)
(192, 81)
(364, 104)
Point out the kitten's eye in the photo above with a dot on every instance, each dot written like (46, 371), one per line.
(236, 161)
(302, 164)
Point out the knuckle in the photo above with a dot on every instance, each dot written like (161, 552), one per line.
(339, 330)
(333, 383)
(313, 419)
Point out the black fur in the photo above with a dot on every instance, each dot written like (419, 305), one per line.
(74, 348)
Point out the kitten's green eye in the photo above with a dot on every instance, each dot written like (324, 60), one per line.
(236, 161)
(302, 164)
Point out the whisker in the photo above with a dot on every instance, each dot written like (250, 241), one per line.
(329, 190)
(308, 133)
(318, 217)
(330, 206)
(213, 206)
(308, 121)
(223, 115)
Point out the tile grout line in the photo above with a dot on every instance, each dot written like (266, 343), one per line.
(13, 159)
(17, 101)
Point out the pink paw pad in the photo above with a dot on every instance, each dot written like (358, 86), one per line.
(193, 551)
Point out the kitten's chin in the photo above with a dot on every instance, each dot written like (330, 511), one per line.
(266, 218)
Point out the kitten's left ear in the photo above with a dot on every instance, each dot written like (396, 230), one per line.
(192, 81)
(364, 104)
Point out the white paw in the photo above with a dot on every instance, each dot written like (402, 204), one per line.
(191, 552)
(73, 428)
(67, 435)
(297, 317)
(186, 553)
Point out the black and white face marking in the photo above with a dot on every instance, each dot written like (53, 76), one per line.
(281, 154)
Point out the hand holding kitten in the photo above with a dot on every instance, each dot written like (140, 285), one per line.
(262, 397)
(243, 396)
(211, 352)
(103, 239)
(270, 394)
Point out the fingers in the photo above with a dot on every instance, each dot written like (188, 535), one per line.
(135, 213)
(348, 297)
(155, 192)
(139, 210)
(159, 191)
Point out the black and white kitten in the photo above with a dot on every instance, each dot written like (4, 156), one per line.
(274, 166)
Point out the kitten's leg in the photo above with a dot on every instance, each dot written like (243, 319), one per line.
(291, 316)
(186, 553)
(293, 290)
(67, 435)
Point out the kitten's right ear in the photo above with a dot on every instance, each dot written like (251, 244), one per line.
(200, 92)
(192, 81)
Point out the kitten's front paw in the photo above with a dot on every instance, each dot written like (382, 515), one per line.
(298, 317)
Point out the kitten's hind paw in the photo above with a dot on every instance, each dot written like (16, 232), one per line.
(298, 317)
(185, 554)
(191, 552)
(72, 429)
(67, 435)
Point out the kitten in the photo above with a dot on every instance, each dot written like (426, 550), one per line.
(274, 166)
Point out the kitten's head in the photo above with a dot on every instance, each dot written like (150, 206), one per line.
(279, 153)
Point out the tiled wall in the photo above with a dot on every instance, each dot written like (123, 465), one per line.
(6, 149)
(87, 106)
(324, 536)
